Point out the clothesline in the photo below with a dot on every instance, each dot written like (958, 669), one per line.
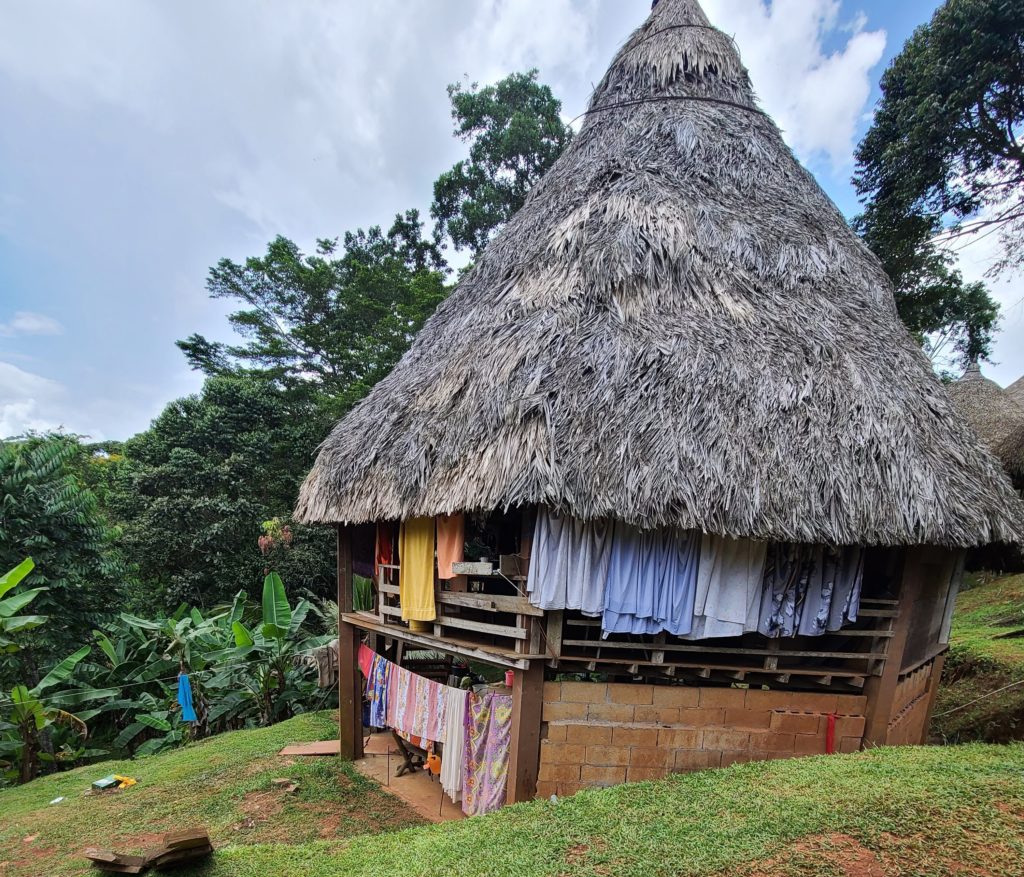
(474, 729)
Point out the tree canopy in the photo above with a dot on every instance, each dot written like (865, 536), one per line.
(515, 131)
(943, 159)
(332, 323)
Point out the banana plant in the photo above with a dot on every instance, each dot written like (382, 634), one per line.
(32, 711)
(271, 677)
(10, 621)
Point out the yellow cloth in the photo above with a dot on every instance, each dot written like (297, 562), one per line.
(416, 569)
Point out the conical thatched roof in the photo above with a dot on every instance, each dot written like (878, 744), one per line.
(987, 407)
(1016, 391)
(1011, 452)
(678, 327)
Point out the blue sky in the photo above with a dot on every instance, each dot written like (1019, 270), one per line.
(144, 140)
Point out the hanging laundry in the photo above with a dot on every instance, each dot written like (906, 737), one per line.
(729, 580)
(488, 724)
(652, 581)
(377, 688)
(188, 712)
(416, 574)
(364, 658)
(454, 740)
(849, 583)
(451, 543)
(428, 708)
(399, 682)
(362, 594)
(383, 551)
(787, 577)
(569, 563)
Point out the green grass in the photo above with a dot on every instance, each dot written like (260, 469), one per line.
(981, 661)
(913, 811)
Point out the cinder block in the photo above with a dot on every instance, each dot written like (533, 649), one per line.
(851, 704)
(701, 717)
(757, 699)
(741, 757)
(546, 789)
(812, 702)
(589, 735)
(554, 733)
(772, 741)
(584, 692)
(619, 713)
(725, 741)
(561, 753)
(641, 774)
(656, 715)
(559, 712)
(606, 756)
(729, 698)
(795, 723)
(850, 744)
(622, 736)
(675, 696)
(602, 776)
(567, 790)
(552, 692)
(632, 694)
(680, 738)
(650, 757)
(687, 760)
(809, 744)
(559, 773)
(755, 720)
(850, 726)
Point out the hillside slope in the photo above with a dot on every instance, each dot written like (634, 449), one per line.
(924, 811)
(978, 699)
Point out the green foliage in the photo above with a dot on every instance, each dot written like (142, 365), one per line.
(516, 133)
(9, 621)
(47, 512)
(943, 148)
(328, 325)
(193, 490)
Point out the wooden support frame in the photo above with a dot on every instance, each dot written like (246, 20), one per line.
(350, 689)
(923, 568)
(524, 748)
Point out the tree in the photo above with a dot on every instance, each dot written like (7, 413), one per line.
(47, 513)
(516, 133)
(943, 159)
(329, 325)
(194, 489)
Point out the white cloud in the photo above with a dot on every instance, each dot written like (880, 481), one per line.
(817, 98)
(22, 395)
(29, 323)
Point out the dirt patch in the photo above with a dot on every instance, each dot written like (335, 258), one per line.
(833, 854)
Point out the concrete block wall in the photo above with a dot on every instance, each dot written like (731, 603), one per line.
(598, 734)
(909, 724)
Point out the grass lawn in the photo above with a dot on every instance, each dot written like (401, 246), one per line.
(982, 659)
(913, 812)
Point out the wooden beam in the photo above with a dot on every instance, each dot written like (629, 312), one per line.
(933, 691)
(350, 688)
(524, 748)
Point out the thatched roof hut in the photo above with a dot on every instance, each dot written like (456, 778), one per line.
(1016, 391)
(1011, 452)
(679, 327)
(989, 408)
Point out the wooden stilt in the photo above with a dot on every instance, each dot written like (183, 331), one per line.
(524, 749)
(350, 699)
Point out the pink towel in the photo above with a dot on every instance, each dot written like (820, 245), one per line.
(451, 543)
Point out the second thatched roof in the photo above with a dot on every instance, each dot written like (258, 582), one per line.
(991, 410)
(678, 328)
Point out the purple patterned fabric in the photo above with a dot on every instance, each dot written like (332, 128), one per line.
(488, 734)
(377, 691)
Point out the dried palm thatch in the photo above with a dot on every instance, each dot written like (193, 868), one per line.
(1016, 391)
(1011, 452)
(987, 407)
(678, 327)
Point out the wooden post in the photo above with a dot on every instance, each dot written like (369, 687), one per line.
(524, 749)
(933, 691)
(350, 689)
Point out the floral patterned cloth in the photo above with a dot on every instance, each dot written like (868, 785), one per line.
(488, 725)
(377, 691)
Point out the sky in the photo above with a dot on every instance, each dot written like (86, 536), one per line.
(143, 140)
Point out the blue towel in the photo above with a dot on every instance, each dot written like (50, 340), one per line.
(188, 713)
